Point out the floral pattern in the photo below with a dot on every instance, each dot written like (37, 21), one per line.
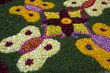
(91, 47)
(92, 7)
(64, 22)
(34, 47)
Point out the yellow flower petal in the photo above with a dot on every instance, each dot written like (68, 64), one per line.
(104, 61)
(80, 28)
(31, 16)
(33, 2)
(46, 5)
(101, 29)
(50, 15)
(53, 30)
(17, 10)
(101, 55)
(75, 13)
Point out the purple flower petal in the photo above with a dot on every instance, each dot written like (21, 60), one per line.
(32, 7)
(102, 41)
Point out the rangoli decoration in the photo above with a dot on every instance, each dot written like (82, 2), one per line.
(36, 48)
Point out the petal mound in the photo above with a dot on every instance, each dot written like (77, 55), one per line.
(17, 10)
(29, 15)
(101, 29)
(50, 47)
(31, 61)
(31, 31)
(12, 44)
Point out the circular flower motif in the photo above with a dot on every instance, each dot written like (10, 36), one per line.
(66, 21)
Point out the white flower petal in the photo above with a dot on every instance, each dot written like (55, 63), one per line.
(37, 63)
(31, 31)
(50, 52)
(12, 44)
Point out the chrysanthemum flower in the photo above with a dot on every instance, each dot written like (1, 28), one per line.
(34, 47)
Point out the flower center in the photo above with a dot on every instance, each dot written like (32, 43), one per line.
(48, 47)
(18, 10)
(32, 0)
(29, 62)
(67, 21)
(28, 32)
(44, 4)
(102, 29)
(89, 47)
(8, 44)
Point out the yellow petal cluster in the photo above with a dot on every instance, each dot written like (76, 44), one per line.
(101, 29)
(96, 52)
(30, 16)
